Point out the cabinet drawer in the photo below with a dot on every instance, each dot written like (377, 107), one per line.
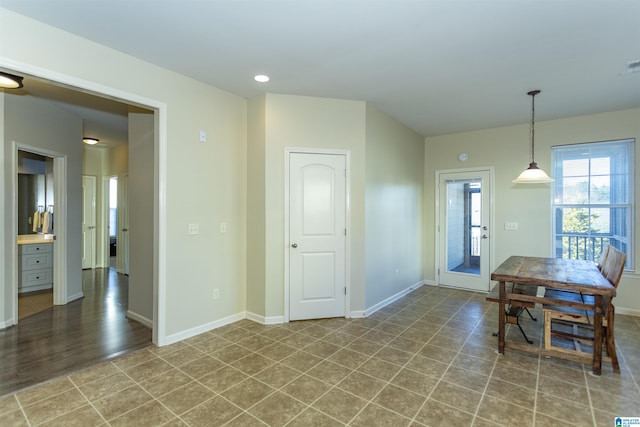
(37, 261)
(36, 277)
(36, 248)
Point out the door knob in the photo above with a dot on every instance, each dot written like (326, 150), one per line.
(484, 236)
(294, 245)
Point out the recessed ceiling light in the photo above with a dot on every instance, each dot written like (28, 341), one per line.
(261, 78)
(9, 81)
(90, 141)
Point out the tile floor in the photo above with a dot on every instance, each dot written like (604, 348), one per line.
(428, 359)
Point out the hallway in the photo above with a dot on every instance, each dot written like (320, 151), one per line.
(63, 339)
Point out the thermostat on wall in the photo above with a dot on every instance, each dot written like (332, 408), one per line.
(463, 157)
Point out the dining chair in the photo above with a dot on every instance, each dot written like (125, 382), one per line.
(611, 265)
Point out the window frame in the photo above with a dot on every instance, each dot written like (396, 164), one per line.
(629, 205)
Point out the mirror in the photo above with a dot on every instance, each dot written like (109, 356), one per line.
(35, 193)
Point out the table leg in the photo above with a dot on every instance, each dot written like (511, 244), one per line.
(597, 335)
(501, 316)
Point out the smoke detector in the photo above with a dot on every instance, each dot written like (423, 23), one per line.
(632, 67)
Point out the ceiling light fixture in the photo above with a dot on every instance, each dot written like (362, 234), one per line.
(9, 81)
(533, 174)
(261, 78)
(90, 141)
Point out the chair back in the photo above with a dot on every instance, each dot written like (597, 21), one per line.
(614, 265)
(603, 257)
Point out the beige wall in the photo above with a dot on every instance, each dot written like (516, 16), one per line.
(394, 207)
(256, 225)
(298, 121)
(507, 149)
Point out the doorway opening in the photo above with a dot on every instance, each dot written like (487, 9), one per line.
(465, 252)
(465, 219)
(113, 221)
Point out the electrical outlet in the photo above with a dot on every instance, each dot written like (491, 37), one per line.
(216, 293)
(223, 227)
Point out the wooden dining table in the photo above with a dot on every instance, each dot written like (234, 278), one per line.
(554, 273)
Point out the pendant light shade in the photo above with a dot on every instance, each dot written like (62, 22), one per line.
(533, 174)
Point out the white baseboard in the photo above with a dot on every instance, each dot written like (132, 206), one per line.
(430, 282)
(183, 335)
(369, 311)
(75, 297)
(6, 324)
(140, 319)
(270, 320)
(357, 314)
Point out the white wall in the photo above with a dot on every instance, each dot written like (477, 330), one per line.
(507, 149)
(393, 215)
(200, 183)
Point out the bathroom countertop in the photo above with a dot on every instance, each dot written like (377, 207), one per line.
(32, 239)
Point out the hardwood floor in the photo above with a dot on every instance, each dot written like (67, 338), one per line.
(62, 339)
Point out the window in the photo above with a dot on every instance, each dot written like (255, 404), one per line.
(113, 207)
(593, 199)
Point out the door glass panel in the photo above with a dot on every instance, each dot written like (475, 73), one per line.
(464, 225)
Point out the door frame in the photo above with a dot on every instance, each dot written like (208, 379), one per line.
(60, 242)
(347, 258)
(94, 213)
(159, 330)
(440, 221)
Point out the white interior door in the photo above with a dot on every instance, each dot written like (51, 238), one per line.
(88, 221)
(317, 228)
(464, 221)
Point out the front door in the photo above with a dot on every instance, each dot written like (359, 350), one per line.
(88, 221)
(317, 229)
(464, 234)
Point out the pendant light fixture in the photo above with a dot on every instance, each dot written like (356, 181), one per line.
(533, 174)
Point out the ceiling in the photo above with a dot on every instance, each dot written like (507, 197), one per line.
(439, 67)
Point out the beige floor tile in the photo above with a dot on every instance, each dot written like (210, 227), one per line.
(413, 381)
(438, 414)
(215, 411)
(183, 356)
(201, 367)
(243, 420)
(329, 372)
(223, 379)
(306, 388)
(252, 364)
(44, 391)
(503, 412)
(53, 407)
(106, 386)
(469, 379)
(248, 393)
(379, 369)
(277, 409)
(348, 358)
(314, 418)
(186, 397)
(340, 405)
(361, 385)
(399, 400)
(150, 414)
(301, 361)
(277, 375)
(148, 369)
(374, 415)
(116, 404)
(457, 396)
(13, 418)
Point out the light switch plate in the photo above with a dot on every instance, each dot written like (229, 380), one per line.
(194, 229)
(511, 226)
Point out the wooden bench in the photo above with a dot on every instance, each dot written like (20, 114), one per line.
(515, 308)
